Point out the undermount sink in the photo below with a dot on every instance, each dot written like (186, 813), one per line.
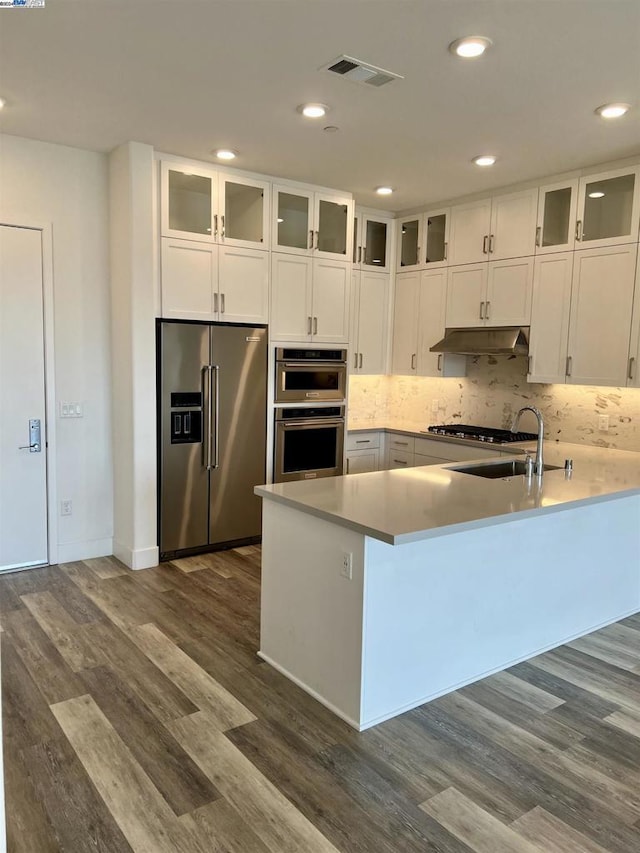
(498, 470)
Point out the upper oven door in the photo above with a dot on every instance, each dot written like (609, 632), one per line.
(306, 382)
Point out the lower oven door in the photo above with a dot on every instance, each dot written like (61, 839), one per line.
(309, 449)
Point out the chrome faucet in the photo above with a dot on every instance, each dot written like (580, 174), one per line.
(539, 464)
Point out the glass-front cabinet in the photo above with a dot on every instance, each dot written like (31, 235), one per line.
(436, 231)
(308, 223)
(212, 206)
(409, 242)
(372, 241)
(608, 208)
(555, 228)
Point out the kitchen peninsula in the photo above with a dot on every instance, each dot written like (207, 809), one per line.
(392, 588)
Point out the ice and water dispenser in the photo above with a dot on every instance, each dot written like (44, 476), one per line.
(186, 417)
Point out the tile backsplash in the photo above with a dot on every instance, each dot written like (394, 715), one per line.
(493, 390)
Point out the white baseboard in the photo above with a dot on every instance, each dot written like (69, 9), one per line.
(142, 558)
(69, 552)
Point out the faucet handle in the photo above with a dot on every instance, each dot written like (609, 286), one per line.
(528, 467)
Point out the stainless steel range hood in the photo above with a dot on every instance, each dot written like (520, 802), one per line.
(505, 340)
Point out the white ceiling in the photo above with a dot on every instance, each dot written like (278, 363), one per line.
(190, 75)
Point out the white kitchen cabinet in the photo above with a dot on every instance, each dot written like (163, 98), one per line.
(608, 208)
(212, 206)
(372, 241)
(600, 319)
(549, 333)
(493, 294)
(423, 240)
(312, 223)
(419, 323)
(436, 238)
(494, 229)
(309, 299)
(450, 451)
(410, 240)
(204, 281)
(557, 206)
(633, 372)
(362, 440)
(369, 322)
(362, 461)
(400, 459)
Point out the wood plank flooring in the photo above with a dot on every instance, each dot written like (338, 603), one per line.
(137, 717)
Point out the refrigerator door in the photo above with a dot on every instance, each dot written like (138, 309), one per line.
(239, 356)
(184, 396)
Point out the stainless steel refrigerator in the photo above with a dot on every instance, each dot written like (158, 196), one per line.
(212, 422)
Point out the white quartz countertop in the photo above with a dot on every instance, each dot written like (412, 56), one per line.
(411, 504)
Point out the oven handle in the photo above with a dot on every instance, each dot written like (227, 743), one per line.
(312, 422)
(310, 364)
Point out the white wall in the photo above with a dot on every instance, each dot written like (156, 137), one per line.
(68, 188)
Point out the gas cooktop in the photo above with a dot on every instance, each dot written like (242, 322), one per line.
(478, 433)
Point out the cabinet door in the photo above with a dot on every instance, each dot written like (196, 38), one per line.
(362, 461)
(330, 302)
(333, 217)
(469, 232)
(431, 323)
(608, 208)
(290, 297)
(436, 230)
(633, 372)
(600, 321)
(410, 240)
(244, 285)
(376, 240)
(188, 200)
(557, 205)
(466, 289)
(549, 334)
(354, 318)
(244, 212)
(513, 225)
(373, 317)
(405, 324)
(189, 279)
(509, 290)
(292, 225)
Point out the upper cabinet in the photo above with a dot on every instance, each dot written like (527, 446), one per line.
(608, 208)
(409, 242)
(211, 206)
(495, 294)
(423, 241)
(557, 205)
(436, 238)
(372, 242)
(470, 230)
(312, 223)
(369, 322)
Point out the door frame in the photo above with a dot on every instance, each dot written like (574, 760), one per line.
(46, 233)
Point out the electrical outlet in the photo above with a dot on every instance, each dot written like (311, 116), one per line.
(603, 423)
(347, 566)
(435, 405)
(66, 507)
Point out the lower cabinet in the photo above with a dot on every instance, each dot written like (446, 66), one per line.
(407, 451)
(362, 452)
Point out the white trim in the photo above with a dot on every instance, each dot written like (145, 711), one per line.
(142, 558)
(69, 552)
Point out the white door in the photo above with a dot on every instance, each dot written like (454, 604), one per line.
(291, 318)
(405, 324)
(189, 279)
(466, 295)
(513, 225)
(469, 232)
(244, 285)
(509, 292)
(372, 322)
(550, 317)
(331, 301)
(23, 458)
(431, 325)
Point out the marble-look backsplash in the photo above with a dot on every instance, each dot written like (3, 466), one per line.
(493, 390)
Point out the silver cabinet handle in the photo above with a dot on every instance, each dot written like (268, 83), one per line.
(492, 239)
(538, 235)
(347, 464)
(632, 362)
(440, 363)
(418, 254)
(400, 461)
(363, 441)
(401, 443)
(359, 254)
(222, 229)
(360, 365)
(446, 251)
(486, 311)
(308, 325)
(222, 303)
(216, 452)
(310, 246)
(579, 229)
(485, 241)
(317, 237)
(215, 302)
(215, 224)
(315, 325)
(206, 411)
(569, 365)
(413, 361)
(482, 310)
(355, 360)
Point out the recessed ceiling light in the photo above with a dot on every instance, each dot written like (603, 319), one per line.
(313, 110)
(484, 160)
(470, 47)
(596, 195)
(226, 154)
(384, 190)
(613, 110)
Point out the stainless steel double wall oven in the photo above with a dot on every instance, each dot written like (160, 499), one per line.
(310, 391)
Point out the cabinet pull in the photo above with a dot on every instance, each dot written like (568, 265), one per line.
(315, 325)
(222, 229)
(401, 443)
(579, 229)
(360, 365)
(446, 251)
(308, 325)
(538, 235)
(413, 361)
(632, 362)
(568, 367)
(310, 246)
(215, 303)
(317, 236)
(492, 245)
(347, 464)
(359, 254)
(486, 311)
(485, 240)
(400, 461)
(440, 363)
(482, 310)
(355, 360)
(529, 363)
(363, 440)
(215, 224)
(222, 303)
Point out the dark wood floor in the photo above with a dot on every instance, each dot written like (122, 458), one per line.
(138, 717)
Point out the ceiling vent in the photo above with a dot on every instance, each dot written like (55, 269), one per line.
(361, 72)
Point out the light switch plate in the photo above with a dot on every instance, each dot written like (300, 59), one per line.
(71, 409)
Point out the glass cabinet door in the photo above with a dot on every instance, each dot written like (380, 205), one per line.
(375, 252)
(187, 202)
(244, 205)
(333, 231)
(436, 238)
(292, 227)
(557, 204)
(409, 238)
(608, 208)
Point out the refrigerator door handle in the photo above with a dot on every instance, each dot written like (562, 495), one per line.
(216, 449)
(206, 409)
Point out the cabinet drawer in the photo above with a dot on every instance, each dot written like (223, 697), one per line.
(362, 440)
(400, 442)
(440, 450)
(423, 459)
(400, 459)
